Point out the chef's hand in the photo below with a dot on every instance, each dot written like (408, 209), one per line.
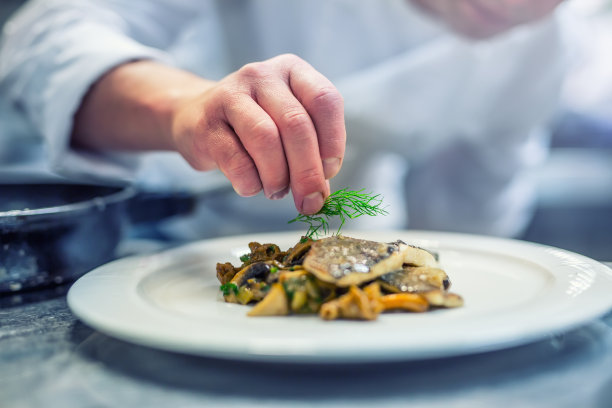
(273, 125)
(486, 18)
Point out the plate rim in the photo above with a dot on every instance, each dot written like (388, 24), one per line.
(237, 351)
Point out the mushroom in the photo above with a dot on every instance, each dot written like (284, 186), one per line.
(413, 279)
(257, 270)
(355, 304)
(405, 301)
(440, 298)
(295, 255)
(225, 272)
(274, 304)
(264, 252)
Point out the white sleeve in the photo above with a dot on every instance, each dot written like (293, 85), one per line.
(469, 118)
(54, 50)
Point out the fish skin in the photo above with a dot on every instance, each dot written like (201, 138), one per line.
(346, 261)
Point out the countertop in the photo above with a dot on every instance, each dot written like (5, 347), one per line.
(48, 358)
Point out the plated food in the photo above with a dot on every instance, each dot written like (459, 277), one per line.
(337, 277)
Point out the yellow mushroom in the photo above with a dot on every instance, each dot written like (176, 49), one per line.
(274, 304)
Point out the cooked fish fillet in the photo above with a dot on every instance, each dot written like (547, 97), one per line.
(346, 261)
(415, 279)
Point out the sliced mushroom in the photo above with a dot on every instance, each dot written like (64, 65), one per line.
(415, 279)
(295, 255)
(440, 298)
(257, 270)
(274, 304)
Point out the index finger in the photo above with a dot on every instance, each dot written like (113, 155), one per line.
(300, 145)
(325, 107)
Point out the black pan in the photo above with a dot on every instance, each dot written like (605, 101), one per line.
(53, 233)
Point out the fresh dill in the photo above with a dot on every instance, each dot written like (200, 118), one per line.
(345, 204)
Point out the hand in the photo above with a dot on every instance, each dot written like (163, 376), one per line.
(273, 125)
(485, 18)
(276, 125)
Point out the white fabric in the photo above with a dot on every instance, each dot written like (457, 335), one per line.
(588, 88)
(462, 119)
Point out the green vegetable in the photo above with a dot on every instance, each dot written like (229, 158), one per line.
(273, 269)
(245, 257)
(345, 204)
(229, 287)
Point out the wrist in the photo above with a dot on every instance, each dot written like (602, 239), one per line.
(175, 104)
(173, 92)
(132, 107)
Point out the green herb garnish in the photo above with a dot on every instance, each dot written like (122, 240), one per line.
(229, 287)
(245, 257)
(273, 269)
(344, 204)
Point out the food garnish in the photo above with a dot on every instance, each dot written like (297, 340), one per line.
(345, 204)
(337, 277)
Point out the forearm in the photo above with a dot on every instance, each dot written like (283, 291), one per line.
(131, 107)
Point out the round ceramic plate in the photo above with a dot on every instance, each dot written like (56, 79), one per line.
(514, 291)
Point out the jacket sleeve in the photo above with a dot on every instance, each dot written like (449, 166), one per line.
(470, 118)
(52, 52)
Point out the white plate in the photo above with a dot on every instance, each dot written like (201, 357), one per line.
(515, 292)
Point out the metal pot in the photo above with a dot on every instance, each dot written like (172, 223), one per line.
(53, 233)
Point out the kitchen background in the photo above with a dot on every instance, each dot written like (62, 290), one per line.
(575, 185)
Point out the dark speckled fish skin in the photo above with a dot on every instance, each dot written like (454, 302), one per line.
(347, 261)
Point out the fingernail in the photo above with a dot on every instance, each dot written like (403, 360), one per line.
(245, 193)
(279, 194)
(331, 167)
(312, 203)
(237, 191)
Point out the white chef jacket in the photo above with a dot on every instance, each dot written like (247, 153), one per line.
(446, 129)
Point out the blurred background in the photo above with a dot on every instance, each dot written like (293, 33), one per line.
(7, 7)
(575, 185)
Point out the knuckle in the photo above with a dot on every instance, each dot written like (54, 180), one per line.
(290, 58)
(263, 133)
(254, 70)
(328, 98)
(309, 179)
(238, 164)
(297, 122)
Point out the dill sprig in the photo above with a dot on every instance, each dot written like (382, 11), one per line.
(345, 204)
